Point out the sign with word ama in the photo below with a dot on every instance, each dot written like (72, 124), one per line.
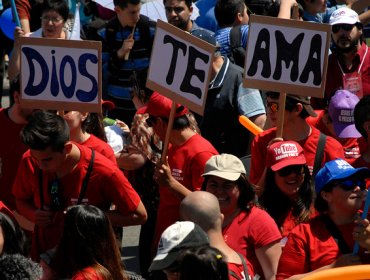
(180, 66)
(61, 74)
(287, 56)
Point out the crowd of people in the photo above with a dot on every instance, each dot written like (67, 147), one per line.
(222, 203)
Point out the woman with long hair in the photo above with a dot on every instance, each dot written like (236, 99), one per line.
(246, 228)
(88, 249)
(12, 237)
(288, 192)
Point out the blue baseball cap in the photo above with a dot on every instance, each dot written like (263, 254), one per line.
(337, 169)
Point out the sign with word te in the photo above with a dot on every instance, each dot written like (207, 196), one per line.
(287, 56)
(61, 74)
(180, 66)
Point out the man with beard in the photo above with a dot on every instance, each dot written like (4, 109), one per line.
(178, 13)
(349, 64)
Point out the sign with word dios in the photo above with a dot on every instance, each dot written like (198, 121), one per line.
(180, 66)
(287, 56)
(61, 74)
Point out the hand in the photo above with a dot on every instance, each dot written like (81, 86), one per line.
(44, 218)
(274, 140)
(18, 32)
(162, 174)
(361, 232)
(126, 47)
(123, 126)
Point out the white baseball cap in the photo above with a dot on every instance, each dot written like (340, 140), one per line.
(344, 16)
(178, 236)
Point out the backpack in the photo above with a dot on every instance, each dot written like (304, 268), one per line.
(237, 55)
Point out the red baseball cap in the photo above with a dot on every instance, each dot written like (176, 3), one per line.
(284, 153)
(160, 106)
(109, 105)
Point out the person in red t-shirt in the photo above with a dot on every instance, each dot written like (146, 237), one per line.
(54, 174)
(203, 209)
(288, 192)
(349, 64)
(246, 228)
(12, 120)
(327, 240)
(338, 122)
(180, 173)
(87, 129)
(297, 109)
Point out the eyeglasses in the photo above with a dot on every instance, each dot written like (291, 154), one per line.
(150, 121)
(345, 27)
(54, 20)
(286, 171)
(273, 106)
(349, 185)
(177, 10)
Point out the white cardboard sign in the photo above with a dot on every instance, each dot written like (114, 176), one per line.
(180, 66)
(61, 74)
(287, 56)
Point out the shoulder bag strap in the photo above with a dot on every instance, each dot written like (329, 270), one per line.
(334, 231)
(319, 154)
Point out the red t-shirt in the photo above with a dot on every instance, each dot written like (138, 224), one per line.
(107, 185)
(332, 150)
(87, 274)
(11, 152)
(100, 146)
(251, 231)
(238, 270)
(187, 163)
(311, 246)
(334, 80)
(352, 147)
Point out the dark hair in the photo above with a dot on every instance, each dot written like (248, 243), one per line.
(87, 240)
(124, 3)
(45, 129)
(203, 262)
(188, 3)
(59, 6)
(138, 80)
(19, 267)
(179, 123)
(277, 204)
(362, 114)
(321, 205)
(290, 105)
(247, 196)
(14, 237)
(93, 124)
(227, 10)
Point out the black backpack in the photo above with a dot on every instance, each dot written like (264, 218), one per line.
(237, 55)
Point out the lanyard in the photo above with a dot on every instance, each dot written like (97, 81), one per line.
(359, 68)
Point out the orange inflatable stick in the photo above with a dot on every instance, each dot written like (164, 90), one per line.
(248, 124)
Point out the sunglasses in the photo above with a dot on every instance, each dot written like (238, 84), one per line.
(273, 106)
(349, 185)
(345, 27)
(286, 171)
